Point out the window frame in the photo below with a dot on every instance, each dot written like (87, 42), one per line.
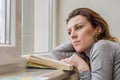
(11, 53)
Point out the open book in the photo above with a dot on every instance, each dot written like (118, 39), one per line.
(45, 62)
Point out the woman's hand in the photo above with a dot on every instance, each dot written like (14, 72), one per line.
(77, 62)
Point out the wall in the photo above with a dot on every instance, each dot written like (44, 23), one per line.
(107, 8)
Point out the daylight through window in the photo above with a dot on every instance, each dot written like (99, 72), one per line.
(5, 22)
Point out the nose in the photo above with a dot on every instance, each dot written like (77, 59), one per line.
(73, 35)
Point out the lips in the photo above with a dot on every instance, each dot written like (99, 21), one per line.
(76, 43)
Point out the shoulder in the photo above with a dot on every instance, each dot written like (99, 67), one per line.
(102, 47)
(104, 44)
(103, 55)
(101, 52)
(105, 48)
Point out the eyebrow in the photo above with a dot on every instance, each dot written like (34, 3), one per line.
(74, 26)
(77, 24)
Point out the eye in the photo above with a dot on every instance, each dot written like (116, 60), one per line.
(79, 27)
(69, 33)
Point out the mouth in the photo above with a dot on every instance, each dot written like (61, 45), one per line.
(75, 43)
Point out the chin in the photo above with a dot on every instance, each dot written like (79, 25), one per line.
(79, 50)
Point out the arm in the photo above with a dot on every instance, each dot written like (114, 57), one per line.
(102, 61)
(66, 50)
(81, 65)
(63, 51)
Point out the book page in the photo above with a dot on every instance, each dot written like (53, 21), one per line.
(49, 62)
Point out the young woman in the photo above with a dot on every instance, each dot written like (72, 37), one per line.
(89, 34)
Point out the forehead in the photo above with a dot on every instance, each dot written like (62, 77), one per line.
(77, 19)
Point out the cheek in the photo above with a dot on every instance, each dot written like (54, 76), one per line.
(88, 34)
(86, 40)
(85, 35)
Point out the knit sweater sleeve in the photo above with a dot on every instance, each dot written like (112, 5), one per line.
(101, 61)
(66, 50)
(63, 51)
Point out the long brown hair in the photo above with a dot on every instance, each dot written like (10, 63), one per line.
(96, 21)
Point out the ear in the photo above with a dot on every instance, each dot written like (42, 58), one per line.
(98, 30)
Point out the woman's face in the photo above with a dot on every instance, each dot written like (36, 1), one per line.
(81, 33)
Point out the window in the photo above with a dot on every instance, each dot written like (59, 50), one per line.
(5, 22)
(10, 31)
(38, 27)
(22, 14)
(2, 20)
(16, 15)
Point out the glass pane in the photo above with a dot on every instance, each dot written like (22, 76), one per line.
(2, 21)
(36, 26)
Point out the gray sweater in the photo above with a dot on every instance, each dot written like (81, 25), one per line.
(104, 58)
